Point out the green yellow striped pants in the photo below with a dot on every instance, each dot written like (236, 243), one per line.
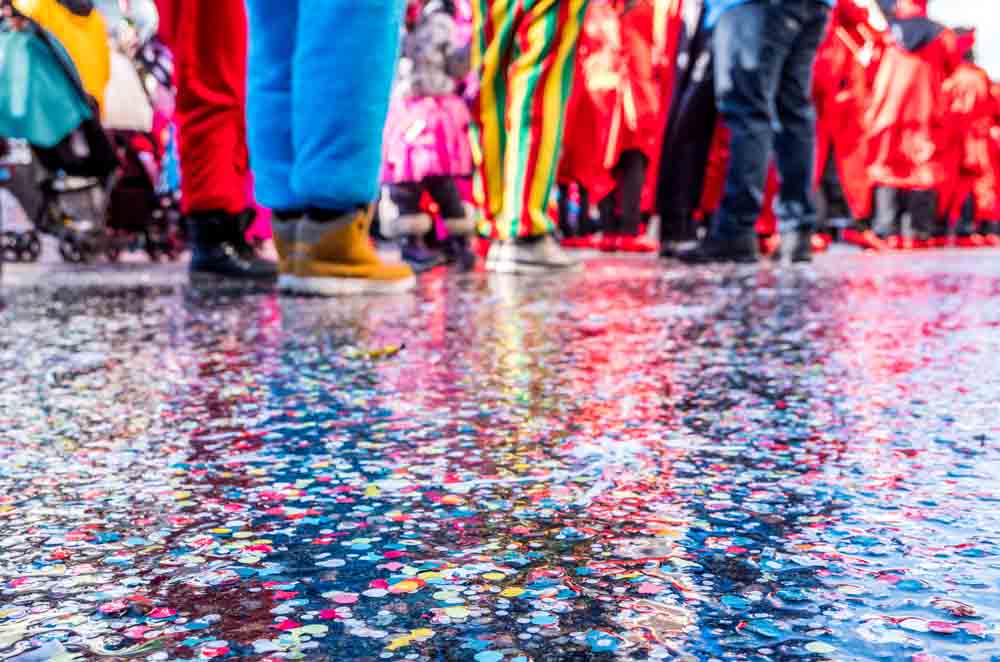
(524, 52)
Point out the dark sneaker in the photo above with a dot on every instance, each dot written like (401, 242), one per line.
(717, 248)
(460, 253)
(795, 247)
(219, 249)
(416, 254)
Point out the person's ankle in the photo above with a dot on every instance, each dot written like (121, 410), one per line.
(321, 215)
(288, 214)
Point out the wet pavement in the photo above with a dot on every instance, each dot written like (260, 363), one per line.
(642, 462)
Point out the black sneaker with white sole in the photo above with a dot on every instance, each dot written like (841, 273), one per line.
(219, 249)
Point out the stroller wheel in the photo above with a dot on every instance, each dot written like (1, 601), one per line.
(71, 249)
(31, 245)
(9, 247)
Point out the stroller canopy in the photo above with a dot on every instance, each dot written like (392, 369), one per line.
(39, 101)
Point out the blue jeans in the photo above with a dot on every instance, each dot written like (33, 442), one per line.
(764, 52)
(319, 77)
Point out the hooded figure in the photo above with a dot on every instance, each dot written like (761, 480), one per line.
(841, 92)
(905, 116)
(968, 195)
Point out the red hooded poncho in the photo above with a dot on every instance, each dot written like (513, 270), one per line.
(842, 73)
(906, 113)
(965, 142)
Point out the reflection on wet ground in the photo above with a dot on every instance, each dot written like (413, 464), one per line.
(641, 463)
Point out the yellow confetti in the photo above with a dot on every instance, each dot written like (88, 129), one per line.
(421, 634)
(511, 592)
(494, 576)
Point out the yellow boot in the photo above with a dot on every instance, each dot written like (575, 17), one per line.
(284, 239)
(336, 257)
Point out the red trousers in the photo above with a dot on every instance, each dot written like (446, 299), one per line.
(209, 41)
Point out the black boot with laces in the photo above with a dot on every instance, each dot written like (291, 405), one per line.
(219, 248)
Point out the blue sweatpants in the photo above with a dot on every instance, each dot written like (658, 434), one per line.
(319, 78)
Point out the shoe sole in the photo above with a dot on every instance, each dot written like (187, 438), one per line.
(527, 268)
(212, 278)
(727, 260)
(335, 287)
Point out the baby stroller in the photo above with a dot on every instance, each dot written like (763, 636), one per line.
(43, 102)
(144, 208)
(99, 194)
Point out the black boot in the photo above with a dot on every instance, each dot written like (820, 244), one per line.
(716, 247)
(460, 253)
(417, 255)
(219, 248)
(796, 246)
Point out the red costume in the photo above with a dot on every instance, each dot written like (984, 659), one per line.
(209, 41)
(966, 150)
(624, 72)
(843, 68)
(905, 113)
(650, 32)
(592, 104)
(994, 177)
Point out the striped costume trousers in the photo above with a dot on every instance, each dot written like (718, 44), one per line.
(523, 51)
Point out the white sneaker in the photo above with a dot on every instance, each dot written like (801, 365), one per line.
(534, 256)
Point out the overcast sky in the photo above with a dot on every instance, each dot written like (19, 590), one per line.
(982, 14)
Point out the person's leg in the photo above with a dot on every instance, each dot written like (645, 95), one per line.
(269, 107)
(565, 227)
(966, 225)
(795, 142)
(410, 224)
(210, 53)
(539, 86)
(610, 222)
(885, 210)
(750, 45)
(342, 68)
(631, 176)
(493, 49)
(345, 59)
(526, 52)
(923, 210)
(687, 145)
(444, 191)
(273, 25)
(584, 223)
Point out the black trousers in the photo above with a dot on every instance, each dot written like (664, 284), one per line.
(443, 190)
(687, 139)
(621, 210)
(894, 207)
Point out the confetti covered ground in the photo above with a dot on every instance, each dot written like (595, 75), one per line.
(641, 462)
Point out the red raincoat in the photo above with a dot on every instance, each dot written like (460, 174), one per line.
(965, 142)
(591, 106)
(623, 78)
(906, 114)
(993, 179)
(209, 41)
(650, 34)
(844, 67)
